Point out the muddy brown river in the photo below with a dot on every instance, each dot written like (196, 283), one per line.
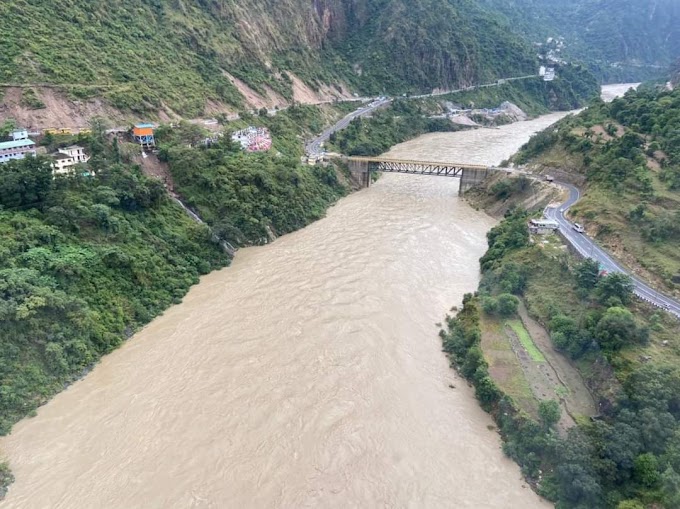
(308, 374)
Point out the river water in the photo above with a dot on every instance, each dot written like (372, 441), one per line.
(308, 374)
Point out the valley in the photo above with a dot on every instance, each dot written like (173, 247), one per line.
(232, 273)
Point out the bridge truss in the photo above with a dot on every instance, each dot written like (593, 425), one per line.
(415, 167)
(470, 174)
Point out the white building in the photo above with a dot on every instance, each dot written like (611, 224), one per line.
(543, 226)
(67, 158)
(16, 149)
(253, 139)
(76, 152)
(20, 134)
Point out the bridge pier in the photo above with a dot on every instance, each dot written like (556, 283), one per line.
(359, 172)
(471, 177)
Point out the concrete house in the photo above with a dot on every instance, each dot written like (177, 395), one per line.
(66, 158)
(16, 149)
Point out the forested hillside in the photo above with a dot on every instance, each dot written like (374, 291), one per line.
(253, 198)
(628, 151)
(89, 258)
(627, 456)
(621, 40)
(174, 55)
(402, 46)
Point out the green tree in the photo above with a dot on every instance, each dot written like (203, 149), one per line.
(577, 480)
(647, 470)
(489, 305)
(550, 412)
(670, 480)
(25, 182)
(587, 273)
(7, 126)
(616, 287)
(507, 305)
(617, 328)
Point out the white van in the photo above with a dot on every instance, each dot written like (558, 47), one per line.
(579, 228)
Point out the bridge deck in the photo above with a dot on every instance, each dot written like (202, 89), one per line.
(413, 163)
(470, 174)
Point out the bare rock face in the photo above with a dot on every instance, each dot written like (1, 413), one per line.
(513, 111)
(675, 74)
(196, 57)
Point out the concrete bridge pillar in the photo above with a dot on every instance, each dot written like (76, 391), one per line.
(359, 172)
(471, 177)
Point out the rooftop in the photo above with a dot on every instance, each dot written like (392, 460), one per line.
(59, 155)
(74, 147)
(144, 126)
(16, 144)
(544, 222)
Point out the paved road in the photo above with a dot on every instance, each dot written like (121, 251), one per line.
(588, 248)
(313, 148)
(497, 83)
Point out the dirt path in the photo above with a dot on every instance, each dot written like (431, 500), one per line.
(575, 397)
(543, 380)
(154, 168)
(530, 375)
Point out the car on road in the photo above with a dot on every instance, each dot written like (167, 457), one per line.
(579, 228)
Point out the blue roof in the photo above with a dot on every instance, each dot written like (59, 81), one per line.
(143, 125)
(16, 144)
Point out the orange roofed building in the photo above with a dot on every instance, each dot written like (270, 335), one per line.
(144, 135)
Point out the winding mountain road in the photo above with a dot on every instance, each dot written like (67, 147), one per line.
(314, 149)
(589, 249)
(580, 241)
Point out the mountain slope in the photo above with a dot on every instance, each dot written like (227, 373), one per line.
(628, 153)
(174, 55)
(427, 44)
(619, 39)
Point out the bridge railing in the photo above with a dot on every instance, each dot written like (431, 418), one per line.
(414, 163)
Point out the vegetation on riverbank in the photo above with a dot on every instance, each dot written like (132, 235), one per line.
(407, 118)
(253, 198)
(628, 154)
(627, 354)
(402, 121)
(89, 258)
(86, 261)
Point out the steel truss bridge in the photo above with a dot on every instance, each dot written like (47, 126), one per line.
(470, 174)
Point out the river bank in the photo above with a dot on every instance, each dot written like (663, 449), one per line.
(577, 320)
(313, 373)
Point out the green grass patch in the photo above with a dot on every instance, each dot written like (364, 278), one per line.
(525, 338)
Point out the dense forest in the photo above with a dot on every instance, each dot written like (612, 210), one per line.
(628, 456)
(159, 54)
(628, 152)
(620, 40)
